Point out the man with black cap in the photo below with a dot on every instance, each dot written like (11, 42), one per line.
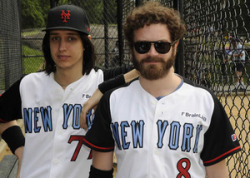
(50, 102)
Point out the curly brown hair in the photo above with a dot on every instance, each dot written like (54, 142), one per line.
(154, 13)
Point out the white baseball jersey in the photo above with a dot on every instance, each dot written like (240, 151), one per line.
(175, 136)
(53, 137)
(239, 51)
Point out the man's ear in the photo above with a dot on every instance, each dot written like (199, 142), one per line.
(175, 47)
(89, 36)
(176, 44)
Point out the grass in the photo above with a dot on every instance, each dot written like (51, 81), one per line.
(31, 32)
(31, 63)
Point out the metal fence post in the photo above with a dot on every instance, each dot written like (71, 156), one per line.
(106, 33)
(138, 3)
(120, 29)
(53, 3)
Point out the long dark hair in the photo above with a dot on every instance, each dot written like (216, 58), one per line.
(89, 56)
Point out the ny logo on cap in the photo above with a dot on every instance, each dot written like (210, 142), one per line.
(65, 16)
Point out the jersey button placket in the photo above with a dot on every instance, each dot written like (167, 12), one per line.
(153, 135)
(57, 119)
(159, 115)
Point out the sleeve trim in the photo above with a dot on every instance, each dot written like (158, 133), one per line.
(223, 155)
(97, 148)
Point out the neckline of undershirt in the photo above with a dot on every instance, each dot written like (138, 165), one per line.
(179, 86)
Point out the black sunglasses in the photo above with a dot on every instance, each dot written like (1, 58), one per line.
(161, 47)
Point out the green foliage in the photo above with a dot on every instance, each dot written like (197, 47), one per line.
(94, 9)
(60, 2)
(33, 13)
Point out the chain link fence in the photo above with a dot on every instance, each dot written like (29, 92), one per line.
(213, 30)
(216, 30)
(10, 44)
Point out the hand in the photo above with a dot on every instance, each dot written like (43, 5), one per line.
(90, 104)
(19, 154)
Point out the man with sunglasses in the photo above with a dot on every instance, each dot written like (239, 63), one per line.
(160, 125)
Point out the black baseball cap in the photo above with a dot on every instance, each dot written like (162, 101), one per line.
(68, 17)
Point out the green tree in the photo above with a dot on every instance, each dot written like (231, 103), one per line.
(32, 13)
(94, 10)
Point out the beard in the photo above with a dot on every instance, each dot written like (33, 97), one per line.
(152, 71)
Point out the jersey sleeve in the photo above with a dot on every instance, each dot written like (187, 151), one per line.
(111, 73)
(219, 140)
(99, 136)
(10, 104)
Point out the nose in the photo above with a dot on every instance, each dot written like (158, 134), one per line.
(62, 45)
(152, 50)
